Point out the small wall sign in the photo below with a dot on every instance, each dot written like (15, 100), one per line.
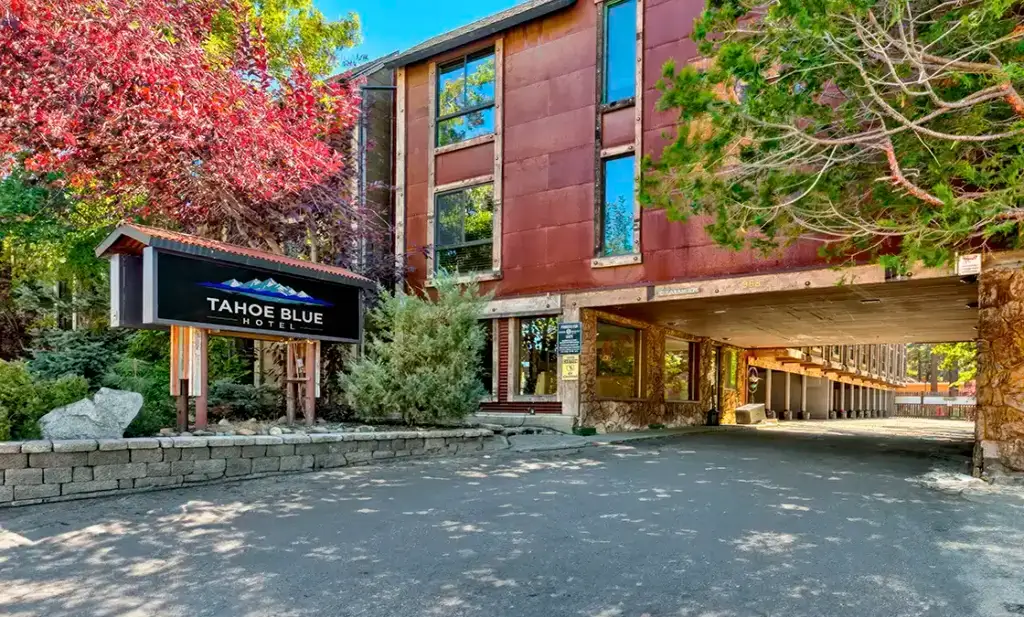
(570, 367)
(968, 265)
(570, 338)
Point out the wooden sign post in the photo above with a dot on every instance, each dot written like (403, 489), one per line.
(189, 370)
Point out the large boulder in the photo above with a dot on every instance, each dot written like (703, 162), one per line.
(106, 416)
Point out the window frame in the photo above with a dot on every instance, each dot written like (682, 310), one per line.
(492, 395)
(514, 366)
(693, 385)
(437, 221)
(639, 364)
(599, 243)
(605, 102)
(464, 60)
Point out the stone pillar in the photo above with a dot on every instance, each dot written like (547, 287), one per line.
(1000, 425)
(768, 393)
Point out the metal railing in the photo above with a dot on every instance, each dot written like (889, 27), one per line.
(951, 412)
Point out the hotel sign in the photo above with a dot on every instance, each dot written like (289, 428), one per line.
(185, 290)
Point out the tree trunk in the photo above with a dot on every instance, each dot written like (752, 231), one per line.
(933, 371)
(12, 327)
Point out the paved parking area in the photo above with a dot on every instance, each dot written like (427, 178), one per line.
(733, 524)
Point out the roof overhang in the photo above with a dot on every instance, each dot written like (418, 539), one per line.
(515, 16)
(131, 239)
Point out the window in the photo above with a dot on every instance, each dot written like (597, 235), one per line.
(619, 51)
(464, 229)
(538, 372)
(682, 370)
(487, 357)
(465, 99)
(617, 206)
(618, 361)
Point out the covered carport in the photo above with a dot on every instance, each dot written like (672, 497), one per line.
(768, 315)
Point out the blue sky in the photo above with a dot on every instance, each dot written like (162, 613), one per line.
(390, 25)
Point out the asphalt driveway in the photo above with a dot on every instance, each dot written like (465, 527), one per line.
(751, 523)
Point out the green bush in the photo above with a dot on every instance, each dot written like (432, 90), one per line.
(151, 380)
(423, 365)
(24, 399)
(86, 353)
(241, 401)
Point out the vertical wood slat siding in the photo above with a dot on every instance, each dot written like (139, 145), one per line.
(502, 360)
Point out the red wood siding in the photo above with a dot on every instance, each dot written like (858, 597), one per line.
(464, 164)
(618, 128)
(549, 148)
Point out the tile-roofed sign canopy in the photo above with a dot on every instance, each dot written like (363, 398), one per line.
(131, 239)
(161, 279)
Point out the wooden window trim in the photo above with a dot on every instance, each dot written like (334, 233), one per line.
(433, 151)
(513, 366)
(462, 145)
(624, 259)
(694, 349)
(637, 102)
(400, 170)
(640, 363)
(458, 187)
(464, 60)
(492, 396)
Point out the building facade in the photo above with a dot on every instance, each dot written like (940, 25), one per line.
(518, 146)
(518, 141)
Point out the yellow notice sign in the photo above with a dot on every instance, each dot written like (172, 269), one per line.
(570, 367)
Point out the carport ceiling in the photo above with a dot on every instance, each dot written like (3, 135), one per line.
(930, 310)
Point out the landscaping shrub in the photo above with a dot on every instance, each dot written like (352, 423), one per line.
(24, 399)
(86, 353)
(242, 401)
(151, 380)
(423, 363)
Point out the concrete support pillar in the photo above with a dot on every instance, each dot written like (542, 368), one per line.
(804, 407)
(569, 389)
(841, 412)
(787, 402)
(768, 392)
(831, 408)
(1000, 425)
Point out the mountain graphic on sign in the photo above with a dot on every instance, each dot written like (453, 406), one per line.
(267, 290)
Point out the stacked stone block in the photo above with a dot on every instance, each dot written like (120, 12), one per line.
(44, 471)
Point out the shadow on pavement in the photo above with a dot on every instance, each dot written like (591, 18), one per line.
(723, 525)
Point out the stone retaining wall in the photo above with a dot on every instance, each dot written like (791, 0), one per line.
(35, 472)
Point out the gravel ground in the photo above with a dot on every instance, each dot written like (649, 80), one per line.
(735, 524)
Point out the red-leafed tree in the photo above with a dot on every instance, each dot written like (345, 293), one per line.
(124, 99)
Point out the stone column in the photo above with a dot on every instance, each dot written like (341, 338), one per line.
(1000, 425)
(768, 393)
